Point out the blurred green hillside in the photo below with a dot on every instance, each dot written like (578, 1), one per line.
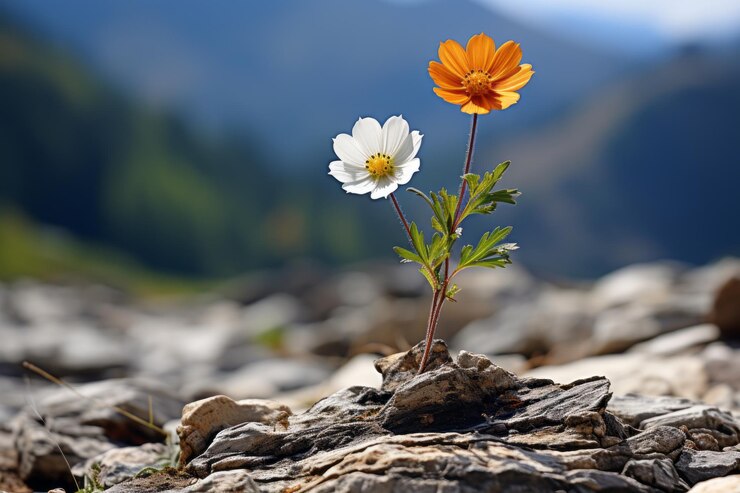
(79, 156)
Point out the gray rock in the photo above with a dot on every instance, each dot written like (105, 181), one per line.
(461, 426)
(633, 409)
(266, 378)
(721, 425)
(636, 282)
(700, 465)
(621, 327)
(532, 327)
(237, 481)
(679, 340)
(722, 364)
(119, 464)
(86, 427)
(682, 376)
(658, 473)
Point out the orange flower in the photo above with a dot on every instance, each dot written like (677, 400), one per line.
(480, 78)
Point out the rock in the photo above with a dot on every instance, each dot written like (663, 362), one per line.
(532, 327)
(679, 340)
(729, 484)
(618, 328)
(681, 376)
(633, 409)
(9, 478)
(721, 425)
(639, 282)
(700, 465)
(237, 481)
(463, 425)
(119, 464)
(658, 473)
(85, 427)
(201, 420)
(360, 370)
(722, 364)
(726, 309)
(266, 378)
(722, 396)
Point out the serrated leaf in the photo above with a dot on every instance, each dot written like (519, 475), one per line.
(486, 249)
(507, 196)
(407, 255)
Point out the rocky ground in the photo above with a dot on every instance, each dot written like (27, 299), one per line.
(631, 383)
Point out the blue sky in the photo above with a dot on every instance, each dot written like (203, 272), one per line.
(632, 26)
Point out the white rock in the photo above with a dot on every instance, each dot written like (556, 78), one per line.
(681, 376)
(266, 378)
(728, 484)
(678, 341)
(646, 282)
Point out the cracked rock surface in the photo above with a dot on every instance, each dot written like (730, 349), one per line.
(464, 425)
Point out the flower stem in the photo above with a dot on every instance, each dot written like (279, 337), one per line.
(440, 294)
(430, 331)
(401, 216)
(466, 170)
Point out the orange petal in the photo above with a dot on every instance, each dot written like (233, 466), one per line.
(515, 81)
(453, 97)
(507, 98)
(480, 51)
(453, 57)
(478, 104)
(507, 57)
(443, 77)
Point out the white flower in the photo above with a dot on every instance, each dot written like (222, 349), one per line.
(375, 159)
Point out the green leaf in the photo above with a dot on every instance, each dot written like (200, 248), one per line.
(437, 226)
(507, 196)
(421, 194)
(432, 280)
(451, 292)
(438, 250)
(486, 253)
(417, 239)
(407, 255)
(499, 171)
(473, 181)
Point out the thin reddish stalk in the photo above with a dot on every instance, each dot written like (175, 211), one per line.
(430, 333)
(438, 300)
(401, 216)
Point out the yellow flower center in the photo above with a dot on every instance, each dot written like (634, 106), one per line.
(379, 165)
(477, 82)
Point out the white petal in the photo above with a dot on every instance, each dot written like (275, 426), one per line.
(395, 129)
(403, 173)
(408, 148)
(348, 150)
(384, 187)
(368, 135)
(360, 186)
(416, 137)
(346, 172)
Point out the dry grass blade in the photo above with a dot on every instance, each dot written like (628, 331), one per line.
(148, 424)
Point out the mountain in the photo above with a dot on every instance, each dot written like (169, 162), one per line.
(644, 169)
(295, 73)
(79, 155)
